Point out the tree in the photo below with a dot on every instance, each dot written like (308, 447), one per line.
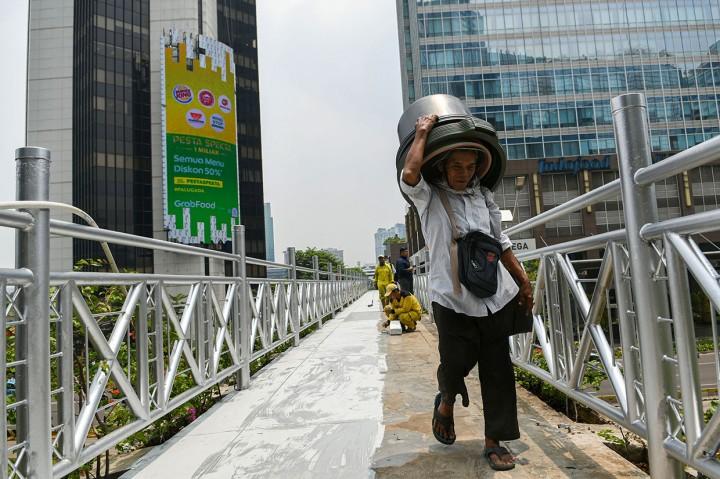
(395, 240)
(303, 258)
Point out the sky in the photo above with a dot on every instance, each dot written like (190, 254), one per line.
(330, 99)
(13, 24)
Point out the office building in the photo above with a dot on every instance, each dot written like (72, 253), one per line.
(383, 234)
(544, 72)
(269, 234)
(93, 94)
(338, 253)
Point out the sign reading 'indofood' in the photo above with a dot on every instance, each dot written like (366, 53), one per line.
(200, 141)
(574, 166)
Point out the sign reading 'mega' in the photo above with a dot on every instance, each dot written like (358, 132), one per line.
(199, 140)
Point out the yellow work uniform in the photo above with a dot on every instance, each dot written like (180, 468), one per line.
(407, 310)
(383, 276)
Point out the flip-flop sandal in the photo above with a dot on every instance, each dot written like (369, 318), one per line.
(499, 451)
(444, 421)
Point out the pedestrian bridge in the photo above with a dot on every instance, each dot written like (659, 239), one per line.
(351, 402)
(99, 359)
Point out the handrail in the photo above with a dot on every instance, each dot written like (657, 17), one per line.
(698, 155)
(697, 223)
(608, 190)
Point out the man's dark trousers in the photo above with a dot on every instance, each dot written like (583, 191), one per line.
(465, 341)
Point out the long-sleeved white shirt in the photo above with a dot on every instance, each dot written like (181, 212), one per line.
(474, 210)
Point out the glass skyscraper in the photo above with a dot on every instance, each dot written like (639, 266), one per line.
(543, 72)
(111, 122)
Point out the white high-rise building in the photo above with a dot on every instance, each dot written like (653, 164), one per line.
(384, 233)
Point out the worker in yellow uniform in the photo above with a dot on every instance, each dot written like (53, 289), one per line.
(403, 306)
(383, 276)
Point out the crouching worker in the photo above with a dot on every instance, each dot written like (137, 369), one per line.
(403, 306)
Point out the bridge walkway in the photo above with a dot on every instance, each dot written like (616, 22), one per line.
(350, 402)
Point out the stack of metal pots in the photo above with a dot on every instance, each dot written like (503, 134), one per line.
(455, 128)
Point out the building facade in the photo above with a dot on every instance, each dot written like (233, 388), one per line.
(544, 72)
(94, 99)
(338, 253)
(384, 233)
(269, 234)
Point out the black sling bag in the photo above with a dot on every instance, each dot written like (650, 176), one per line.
(473, 258)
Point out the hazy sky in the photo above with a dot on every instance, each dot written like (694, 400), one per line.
(330, 98)
(13, 24)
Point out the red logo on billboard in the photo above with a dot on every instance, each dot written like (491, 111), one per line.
(207, 99)
(224, 103)
(182, 94)
(195, 118)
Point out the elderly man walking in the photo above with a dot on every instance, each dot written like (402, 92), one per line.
(473, 324)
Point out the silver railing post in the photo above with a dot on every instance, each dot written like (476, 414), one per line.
(292, 303)
(316, 288)
(242, 320)
(331, 290)
(639, 208)
(340, 288)
(32, 251)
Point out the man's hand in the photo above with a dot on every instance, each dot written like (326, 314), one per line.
(525, 296)
(424, 124)
(413, 160)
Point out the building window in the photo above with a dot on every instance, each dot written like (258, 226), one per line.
(608, 213)
(558, 189)
(705, 188)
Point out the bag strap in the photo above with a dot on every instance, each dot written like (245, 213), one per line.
(454, 270)
(493, 229)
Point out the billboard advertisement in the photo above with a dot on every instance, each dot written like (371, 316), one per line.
(199, 140)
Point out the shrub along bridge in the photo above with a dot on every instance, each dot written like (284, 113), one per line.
(158, 341)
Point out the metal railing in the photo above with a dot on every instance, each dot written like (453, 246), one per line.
(625, 311)
(80, 348)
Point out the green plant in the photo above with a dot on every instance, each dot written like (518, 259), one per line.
(705, 345)
(609, 436)
(531, 268)
(304, 258)
(594, 375)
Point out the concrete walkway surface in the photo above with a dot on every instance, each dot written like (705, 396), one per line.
(350, 402)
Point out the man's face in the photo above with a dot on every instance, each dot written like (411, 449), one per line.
(381, 260)
(460, 168)
(395, 295)
(405, 253)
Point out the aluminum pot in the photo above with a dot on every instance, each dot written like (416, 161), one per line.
(455, 128)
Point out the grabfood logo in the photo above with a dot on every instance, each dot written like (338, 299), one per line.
(182, 94)
(224, 103)
(206, 98)
(217, 122)
(195, 204)
(195, 118)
